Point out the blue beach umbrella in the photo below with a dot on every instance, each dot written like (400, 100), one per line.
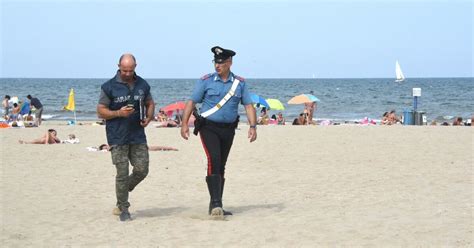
(259, 100)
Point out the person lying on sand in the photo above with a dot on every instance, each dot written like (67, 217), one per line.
(49, 138)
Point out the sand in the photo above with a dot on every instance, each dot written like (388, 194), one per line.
(296, 186)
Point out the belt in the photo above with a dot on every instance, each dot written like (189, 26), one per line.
(219, 124)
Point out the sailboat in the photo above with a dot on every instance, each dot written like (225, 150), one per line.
(399, 73)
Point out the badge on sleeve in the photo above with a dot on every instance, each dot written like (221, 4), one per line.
(241, 79)
(206, 76)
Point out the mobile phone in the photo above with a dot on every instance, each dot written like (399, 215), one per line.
(130, 105)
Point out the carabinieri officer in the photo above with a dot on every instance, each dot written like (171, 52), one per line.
(219, 94)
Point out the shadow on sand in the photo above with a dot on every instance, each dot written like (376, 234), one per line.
(157, 212)
(278, 207)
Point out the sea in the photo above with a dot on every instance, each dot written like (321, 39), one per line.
(341, 100)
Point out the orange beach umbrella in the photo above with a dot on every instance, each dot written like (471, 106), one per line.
(174, 106)
(303, 98)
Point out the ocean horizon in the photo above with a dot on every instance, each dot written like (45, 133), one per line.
(247, 78)
(342, 99)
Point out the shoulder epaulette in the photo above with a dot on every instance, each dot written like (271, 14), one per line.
(241, 79)
(206, 76)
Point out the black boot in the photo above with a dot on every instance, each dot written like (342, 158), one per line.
(214, 184)
(222, 192)
(125, 215)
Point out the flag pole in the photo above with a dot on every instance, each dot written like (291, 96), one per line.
(75, 120)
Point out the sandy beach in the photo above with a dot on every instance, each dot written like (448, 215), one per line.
(296, 186)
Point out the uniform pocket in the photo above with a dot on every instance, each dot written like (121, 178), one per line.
(212, 92)
(213, 95)
(237, 97)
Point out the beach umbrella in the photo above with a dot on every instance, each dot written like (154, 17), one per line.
(303, 98)
(174, 106)
(313, 98)
(275, 104)
(259, 100)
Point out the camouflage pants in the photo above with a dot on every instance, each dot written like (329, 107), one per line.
(137, 154)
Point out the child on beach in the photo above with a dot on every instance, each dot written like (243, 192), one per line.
(15, 113)
(280, 119)
(71, 140)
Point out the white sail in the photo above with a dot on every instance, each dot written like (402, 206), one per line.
(399, 73)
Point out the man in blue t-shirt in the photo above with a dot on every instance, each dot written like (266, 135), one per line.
(126, 104)
(217, 130)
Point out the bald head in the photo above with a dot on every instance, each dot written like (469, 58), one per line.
(127, 58)
(127, 64)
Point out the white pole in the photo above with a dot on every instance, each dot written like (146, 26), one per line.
(75, 120)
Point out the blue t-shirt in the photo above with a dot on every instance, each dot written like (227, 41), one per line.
(210, 89)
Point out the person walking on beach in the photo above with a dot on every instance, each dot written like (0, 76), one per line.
(6, 106)
(220, 94)
(119, 104)
(35, 102)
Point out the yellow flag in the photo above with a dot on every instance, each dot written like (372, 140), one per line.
(71, 106)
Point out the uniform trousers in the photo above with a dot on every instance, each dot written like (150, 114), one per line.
(217, 139)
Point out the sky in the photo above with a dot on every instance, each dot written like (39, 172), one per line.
(272, 38)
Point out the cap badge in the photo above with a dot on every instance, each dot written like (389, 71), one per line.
(218, 51)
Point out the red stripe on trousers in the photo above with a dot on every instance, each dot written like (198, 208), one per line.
(209, 160)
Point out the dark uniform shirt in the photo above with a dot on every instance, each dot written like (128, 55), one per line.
(115, 94)
(210, 89)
